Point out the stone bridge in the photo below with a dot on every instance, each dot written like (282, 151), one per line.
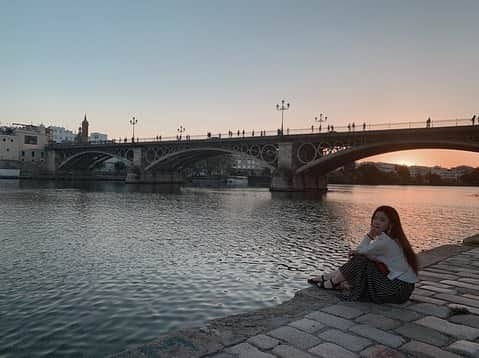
(300, 162)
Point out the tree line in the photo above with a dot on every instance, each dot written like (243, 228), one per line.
(369, 174)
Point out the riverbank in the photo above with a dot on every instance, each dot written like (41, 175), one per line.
(440, 320)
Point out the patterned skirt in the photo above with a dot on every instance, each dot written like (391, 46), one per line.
(369, 284)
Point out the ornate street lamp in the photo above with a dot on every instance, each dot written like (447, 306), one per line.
(181, 130)
(282, 108)
(321, 119)
(133, 122)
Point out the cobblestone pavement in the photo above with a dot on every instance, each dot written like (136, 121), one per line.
(441, 320)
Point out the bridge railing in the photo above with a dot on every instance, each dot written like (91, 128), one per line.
(314, 129)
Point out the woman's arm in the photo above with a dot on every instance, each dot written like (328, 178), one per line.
(363, 245)
(378, 247)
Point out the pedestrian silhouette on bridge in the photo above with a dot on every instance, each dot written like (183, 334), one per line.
(382, 269)
(354, 127)
(428, 123)
(473, 119)
(364, 126)
(349, 127)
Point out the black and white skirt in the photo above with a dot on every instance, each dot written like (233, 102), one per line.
(369, 284)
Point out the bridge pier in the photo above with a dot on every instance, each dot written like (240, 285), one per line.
(298, 183)
(49, 166)
(285, 177)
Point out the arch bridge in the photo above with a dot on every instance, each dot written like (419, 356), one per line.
(300, 162)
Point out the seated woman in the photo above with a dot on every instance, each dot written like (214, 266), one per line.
(383, 268)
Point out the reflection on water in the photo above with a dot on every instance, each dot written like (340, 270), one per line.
(96, 267)
(91, 186)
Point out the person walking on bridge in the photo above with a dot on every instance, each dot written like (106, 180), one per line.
(382, 269)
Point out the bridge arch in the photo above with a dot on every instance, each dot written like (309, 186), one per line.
(186, 157)
(351, 154)
(88, 159)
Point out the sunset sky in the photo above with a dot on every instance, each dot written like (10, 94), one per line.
(218, 65)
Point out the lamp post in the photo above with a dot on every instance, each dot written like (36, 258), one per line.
(321, 119)
(133, 121)
(282, 108)
(181, 130)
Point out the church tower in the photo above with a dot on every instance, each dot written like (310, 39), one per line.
(84, 131)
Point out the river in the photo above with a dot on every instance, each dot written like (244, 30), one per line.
(94, 268)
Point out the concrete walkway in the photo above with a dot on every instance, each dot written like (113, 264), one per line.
(440, 320)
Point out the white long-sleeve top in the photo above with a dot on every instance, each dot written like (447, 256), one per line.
(388, 251)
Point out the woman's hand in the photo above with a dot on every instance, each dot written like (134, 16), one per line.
(373, 232)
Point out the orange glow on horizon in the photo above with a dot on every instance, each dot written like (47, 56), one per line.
(428, 157)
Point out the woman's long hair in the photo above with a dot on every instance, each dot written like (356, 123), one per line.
(398, 234)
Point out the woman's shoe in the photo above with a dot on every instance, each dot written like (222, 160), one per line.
(314, 281)
(322, 284)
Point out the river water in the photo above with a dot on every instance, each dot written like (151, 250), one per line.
(92, 269)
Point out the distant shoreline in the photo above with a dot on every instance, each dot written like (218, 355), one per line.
(118, 179)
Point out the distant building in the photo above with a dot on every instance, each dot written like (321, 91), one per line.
(384, 167)
(21, 144)
(452, 174)
(97, 137)
(461, 170)
(416, 170)
(61, 135)
(247, 163)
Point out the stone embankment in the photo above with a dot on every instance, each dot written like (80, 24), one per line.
(441, 320)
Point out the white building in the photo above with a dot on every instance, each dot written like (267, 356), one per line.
(416, 170)
(384, 167)
(61, 135)
(97, 137)
(245, 162)
(451, 174)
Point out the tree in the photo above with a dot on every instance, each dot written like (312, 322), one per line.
(433, 179)
(471, 178)
(370, 174)
(403, 174)
(418, 179)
